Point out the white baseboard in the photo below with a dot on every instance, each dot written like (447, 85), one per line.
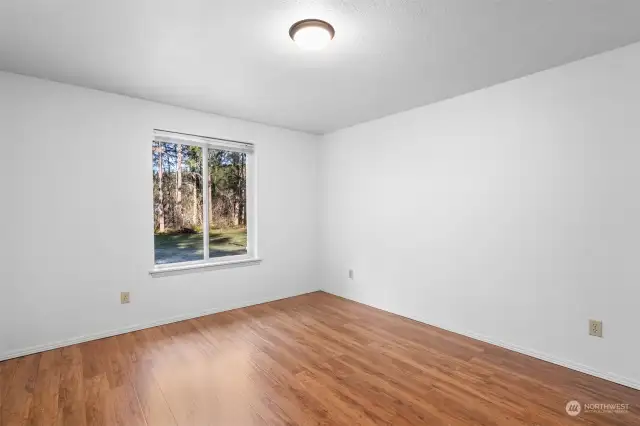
(526, 351)
(136, 327)
(552, 359)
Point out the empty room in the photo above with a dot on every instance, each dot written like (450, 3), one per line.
(320, 212)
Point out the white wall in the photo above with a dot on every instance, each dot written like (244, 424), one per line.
(66, 258)
(511, 214)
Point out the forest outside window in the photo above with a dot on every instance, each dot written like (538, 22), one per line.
(202, 200)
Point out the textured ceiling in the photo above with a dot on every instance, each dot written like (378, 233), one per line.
(235, 58)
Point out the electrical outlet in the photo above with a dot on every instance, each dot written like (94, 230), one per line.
(124, 297)
(351, 274)
(595, 328)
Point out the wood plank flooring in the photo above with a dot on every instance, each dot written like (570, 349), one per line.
(309, 360)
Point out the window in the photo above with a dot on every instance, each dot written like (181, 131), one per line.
(202, 201)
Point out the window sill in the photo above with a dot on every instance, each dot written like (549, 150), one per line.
(163, 271)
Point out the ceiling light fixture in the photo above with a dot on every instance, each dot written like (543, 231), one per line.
(311, 34)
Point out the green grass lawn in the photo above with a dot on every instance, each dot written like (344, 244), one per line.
(172, 248)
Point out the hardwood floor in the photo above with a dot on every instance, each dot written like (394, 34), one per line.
(312, 359)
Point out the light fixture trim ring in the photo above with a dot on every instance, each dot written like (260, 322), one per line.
(311, 23)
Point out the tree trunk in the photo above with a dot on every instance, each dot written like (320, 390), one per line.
(213, 161)
(195, 203)
(179, 221)
(243, 191)
(236, 213)
(160, 189)
(210, 199)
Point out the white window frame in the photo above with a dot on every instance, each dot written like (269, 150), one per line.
(207, 143)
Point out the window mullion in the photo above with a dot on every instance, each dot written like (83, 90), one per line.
(205, 200)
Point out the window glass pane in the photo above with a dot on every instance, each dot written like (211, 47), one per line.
(177, 203)
(227, 203)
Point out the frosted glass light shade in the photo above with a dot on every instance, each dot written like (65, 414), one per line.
(311, 34)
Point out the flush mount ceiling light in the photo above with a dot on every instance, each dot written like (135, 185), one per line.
(311, 34)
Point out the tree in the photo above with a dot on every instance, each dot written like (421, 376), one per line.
(239, 187)
(179, 220)
(179, 187)
(193, 162)
(160, 195)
